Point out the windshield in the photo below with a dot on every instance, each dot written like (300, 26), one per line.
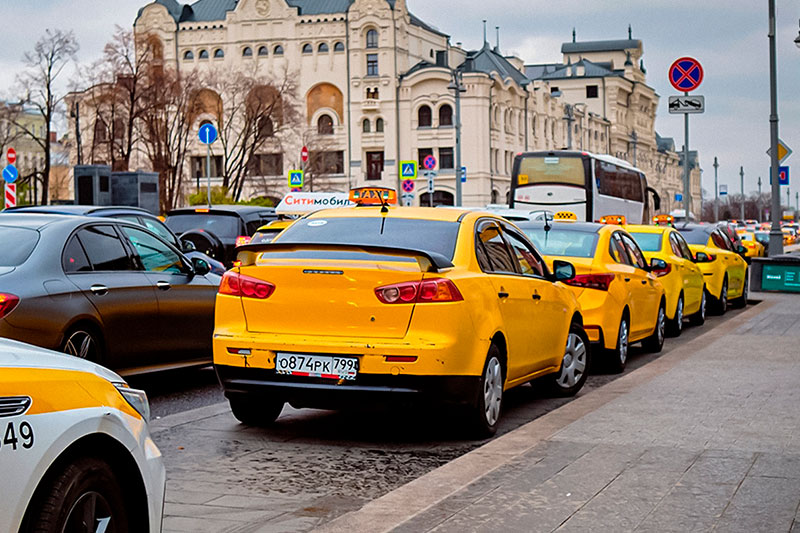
(648, 242)
(17, 245)
(563, 242)
(223, 226)
(746, 236)
(543, 169)
(428, 235)
(694, 235)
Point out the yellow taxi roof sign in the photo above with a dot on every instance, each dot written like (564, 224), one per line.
(373, 196)
(613, 219)
(663, 220)
(565, 216)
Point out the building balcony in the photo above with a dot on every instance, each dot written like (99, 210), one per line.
(370, 104)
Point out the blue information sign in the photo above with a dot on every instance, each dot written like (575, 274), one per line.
(408, 169)
(10, 173)
(296, 178)
(463, 174)
(678, 197)
(783, 173)
(207, 133)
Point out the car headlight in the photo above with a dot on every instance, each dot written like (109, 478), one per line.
(136, 398)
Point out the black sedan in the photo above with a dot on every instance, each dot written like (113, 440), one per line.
(105, 290)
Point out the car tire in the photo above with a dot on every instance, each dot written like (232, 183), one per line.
(655, 342)
(256, 411)
(618, 357)
(675, 326)
(699, 318)
(85, 486)
(741, 301)
(574, 364)
(83, 341)
(485, 414)
(719, 305)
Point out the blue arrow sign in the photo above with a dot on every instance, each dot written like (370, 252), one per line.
(678, 197)
(10, 174)
(207, 133)
(463, 174)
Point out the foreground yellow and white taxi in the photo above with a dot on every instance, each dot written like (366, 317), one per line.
(395, 304)
(683, 281)
(75, 451)
(620, 294)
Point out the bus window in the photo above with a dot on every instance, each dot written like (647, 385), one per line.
(618, 182)
(561, 170)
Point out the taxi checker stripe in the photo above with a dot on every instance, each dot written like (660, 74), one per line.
(74, 390)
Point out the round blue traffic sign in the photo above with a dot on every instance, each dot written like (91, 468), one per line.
(429, 162)
(10, 173)
(686, 74)
(207, 133)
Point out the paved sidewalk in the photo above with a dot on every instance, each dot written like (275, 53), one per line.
(704, 438)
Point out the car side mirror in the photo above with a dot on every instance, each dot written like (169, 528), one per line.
(741, 250)
(563, 270)
(701, 257)
(201, 266)
(188, 246)
(658, 265)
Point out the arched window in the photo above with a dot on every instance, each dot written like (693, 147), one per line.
(379, 125)
(262, 51)
(446, 115)
(218, 53)
(247, 52)
(372, 39)
(278, 50)
(307, 49)
(265, 128)
(325, 125)
(203, 54)
(338, 46)
(323, 48)
(365, 126)
(424, 118)
(188, 55)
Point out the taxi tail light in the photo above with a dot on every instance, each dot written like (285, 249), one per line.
(711, 257)
(600, 282)
(241, 240)
(428, 290)
(7, 303)
(663, 271)
(235, 284)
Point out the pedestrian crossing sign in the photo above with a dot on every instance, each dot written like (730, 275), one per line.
(296, 179)
(408, 170)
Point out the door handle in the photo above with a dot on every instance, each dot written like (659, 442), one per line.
(644, 282)
(99, 290)
(163, 285)
(627, 279)
(537, 297)
(502, 294)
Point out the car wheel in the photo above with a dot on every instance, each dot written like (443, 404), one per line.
(486, 413)
(720, 305)
(618, 357)
(699, 318)
(741, 301)
(82, 342)
(256, 411)
(675, 326)
(655, 342)
(85, 496)
(574, 364)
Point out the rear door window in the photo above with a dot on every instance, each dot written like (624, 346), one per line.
(720, 241)
(618, 251)
(528, 261)
(104, 248)
(496, 254)
(635, 253)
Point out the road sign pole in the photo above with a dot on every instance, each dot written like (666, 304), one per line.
(208, 171)
(686, 172)
(716, 190)
(741, 174)
(458, 89)
(775, 233)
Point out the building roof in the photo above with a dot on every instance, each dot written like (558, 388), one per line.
(556, 71)
(665, 144)
(321, 7)
(600, 46)
(489, 61)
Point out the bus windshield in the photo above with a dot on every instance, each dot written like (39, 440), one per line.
(551, 169)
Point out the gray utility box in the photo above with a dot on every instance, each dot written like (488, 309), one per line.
(93, 185)
(135, 189)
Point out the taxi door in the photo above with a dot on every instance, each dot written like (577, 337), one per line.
(515, 295)
(690, 272)
(645, 297)
(734, 265)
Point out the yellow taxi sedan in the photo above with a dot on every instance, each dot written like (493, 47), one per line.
(724, 269)
(622, 298)
(682, 278)
(386, 304)
(749, 241)
(268, 232)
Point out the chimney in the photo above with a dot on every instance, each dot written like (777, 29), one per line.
(497, 46)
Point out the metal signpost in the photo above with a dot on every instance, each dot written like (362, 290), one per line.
(741, 174)
(775, 233)
(716, 190)
(10, 175)
(408, 192)
(304, 159)
(686, 75)
(430, 163)
(207, 135)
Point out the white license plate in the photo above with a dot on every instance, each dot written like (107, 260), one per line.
(316, 366)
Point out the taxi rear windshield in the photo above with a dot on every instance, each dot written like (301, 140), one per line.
(648, 242)
(428, 235)
(694, 235)
(17, 244)
(563, 242)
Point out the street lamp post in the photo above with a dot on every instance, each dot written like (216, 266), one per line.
(716, 190)
(775, 233)
(459, 88)
(758, 202)
(741, 174)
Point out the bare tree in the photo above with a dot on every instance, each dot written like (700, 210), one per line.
(43, 66)
(9, 132)
(324, 161)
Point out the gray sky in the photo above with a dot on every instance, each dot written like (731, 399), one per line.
(727, 36)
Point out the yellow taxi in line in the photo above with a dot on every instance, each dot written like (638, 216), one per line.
(268, 232)
(387, 304)
(622, 298)
(789, 236)
(754, 248)
(75, 454)
(682, 279)
(724, 269)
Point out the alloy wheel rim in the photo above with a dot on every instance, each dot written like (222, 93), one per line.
(573, 365)
(703, 305)
(492, 391)
(724, 296)
(679, 314)
(661, 323)
(80, 344)
(91, 513)
(623, 342)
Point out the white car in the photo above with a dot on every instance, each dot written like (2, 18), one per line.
(75, 450)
